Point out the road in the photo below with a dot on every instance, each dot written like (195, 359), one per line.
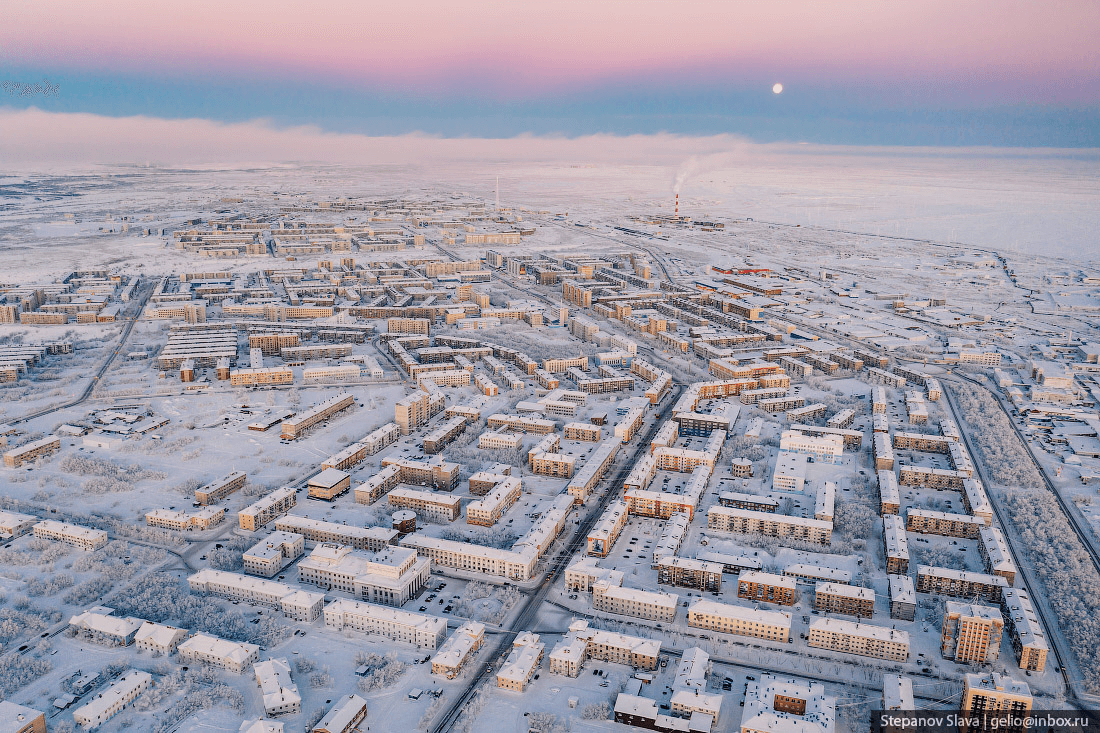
(523, 619)
(99, 374)
(1057, 641)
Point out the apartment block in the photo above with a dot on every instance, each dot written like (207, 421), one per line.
(895, 545)
(960, 583)
(745, 521)
(849, 600)
(85, 538)
(113, 700)
(467, 639)
(296, 426)
(13, 524)
(602, 536)
(270, 507)
(318, 530)
(267, 557)
(421, 630)
(217, 490)
(903, 597)
(767, 587)
(1029, 642)
(738, 620)
(971, 633)
(946, 524)
(280, 694)
(329, 484)
(229, 655)
(863, 640)
(390, 576)
(995, 553)
(888, 493)
(492, 506)
(428, 503)
(993, 693)
(583, 643)
(16, 457)
(655, 606)
(689, 573)
(522, 661)
(296, 604)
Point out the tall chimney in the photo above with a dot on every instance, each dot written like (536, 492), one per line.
(677, 206)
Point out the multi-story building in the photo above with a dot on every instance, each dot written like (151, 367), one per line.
(995, 553)
(296, 426)
(428, 503)
(584, 481)
(267, 557)
(752, 502)
(467, 639)
(849, 600)
(946, 524)
(971, 633)
(583, 643)
(217, 490)
(558, 465)
(297, 604)
(390, 576)
(689, 573)
(261, 376)
(343, 717)
(903, 597)
(492, 506)
(159, 638)
(420, 629)
(85, 538)
(270, 507)
(745, 521)
(517, 423)
(960, 583)
(655, 606)
(355, 453)
(767, 587)
(520, 666)
(993, 694)
(864, 640)
(230, 655)
(436, 473)
(16, 457)
(935, 478)
(787, 704)
(16, 718)
(98, 625)
(1029, 642)
(602, 536)
(113, 700)
(515, 564)
(317, 530)
(888, 492)
(824, 449)
(202, 519)
(895, 544)
(758, 623)
(816, 574)
(13, 524)
(280, 694)
(882, 452)
(329, 484)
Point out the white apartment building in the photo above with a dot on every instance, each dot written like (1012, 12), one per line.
(492, 506)
(85, 538)
(747, 521)
(318, 530)
(467, 639)
(202, 519)
(294, 603)
(865, 640)
(438, 506)
(583, 643)
(824, 448)
(729, 619)
(13, 524)
(153, 637)
(419, 629)
(652, 605)
(267, 557)
(277, 687)
(520, 666)
(270, 507)
(513, 564)
(231, 655)
(113, 700)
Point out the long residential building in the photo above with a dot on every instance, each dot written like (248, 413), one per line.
(865, 640)
(85, 538)
(729, 619)
(438, 506)
(602, 536)
(520, 666)
(946, 524)
(296, 426)
(113, 700)
(584, 481)
(995, 553)
(492, 506)
(583, 643)
(16, 457)
(655, 606)
(202, 519)
(511, 564)
(960, 583)
(355, 453)
(895, 544)
(318, 530)
(689, 573)
(270, 507)
(767, 588)
(217, 490)
(467, 639)
(849, 600)
(420, 629)
(297, 604)
(745, 521)
(1029, 642)
(230, 655)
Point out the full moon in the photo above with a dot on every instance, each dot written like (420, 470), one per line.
(778, 88)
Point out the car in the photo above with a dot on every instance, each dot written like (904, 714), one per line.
(423, 608)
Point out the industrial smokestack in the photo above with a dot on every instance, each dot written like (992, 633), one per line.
(677, 214)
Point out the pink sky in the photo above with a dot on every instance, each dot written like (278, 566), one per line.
(1046, 50)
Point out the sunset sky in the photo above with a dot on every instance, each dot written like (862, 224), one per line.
(979, 72)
